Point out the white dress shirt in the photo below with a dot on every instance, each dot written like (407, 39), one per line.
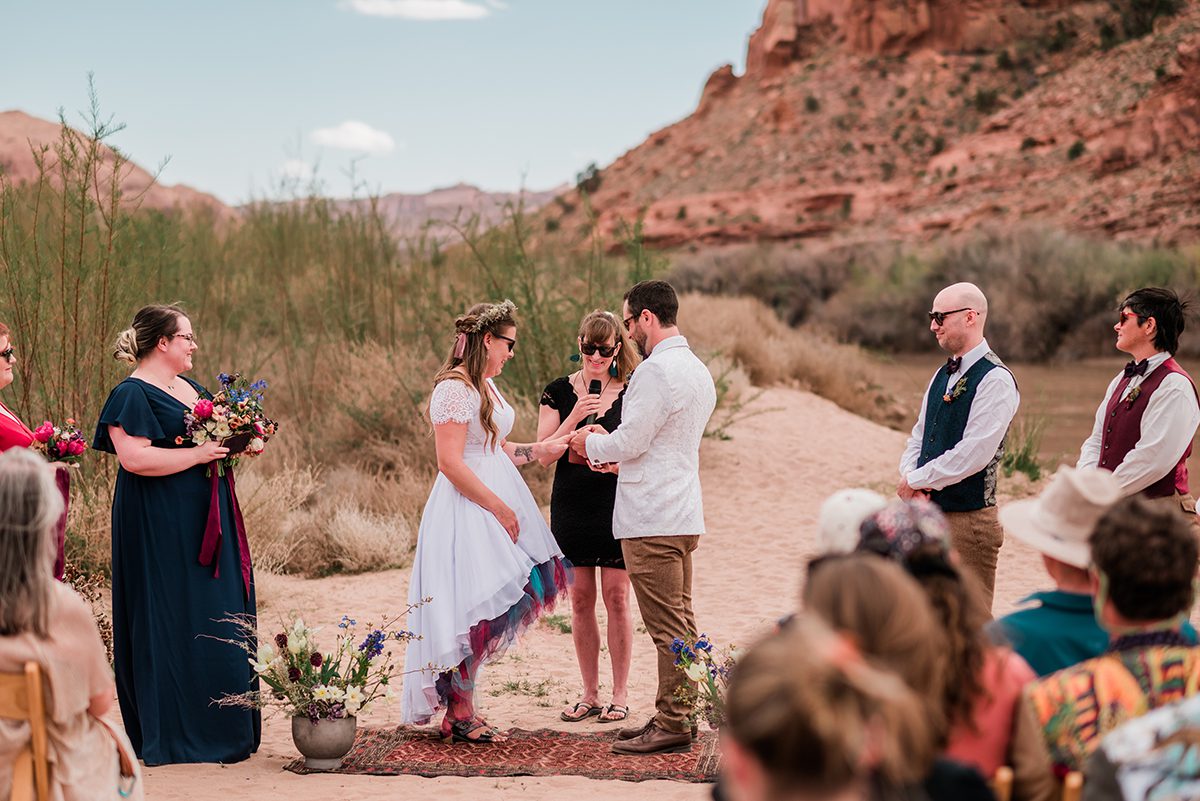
(1168, 425)
(992, 410)
(666, 408)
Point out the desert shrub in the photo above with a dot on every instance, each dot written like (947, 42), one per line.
(1076, 150)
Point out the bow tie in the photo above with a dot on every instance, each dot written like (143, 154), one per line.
(1136, 368)
(953, 364)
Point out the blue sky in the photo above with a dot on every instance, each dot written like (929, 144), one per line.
(416, 94)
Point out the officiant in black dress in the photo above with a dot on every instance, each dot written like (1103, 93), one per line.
(581, 510)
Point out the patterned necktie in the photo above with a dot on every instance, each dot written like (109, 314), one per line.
(1136, 368)
(952, 364)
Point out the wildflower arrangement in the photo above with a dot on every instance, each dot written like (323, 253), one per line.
(65, 443)
(959, 389)
(234, 415)
(305, 681)
(708, 671)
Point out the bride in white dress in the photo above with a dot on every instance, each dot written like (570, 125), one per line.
(484, 552)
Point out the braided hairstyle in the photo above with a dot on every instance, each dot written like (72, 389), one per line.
(480, 319)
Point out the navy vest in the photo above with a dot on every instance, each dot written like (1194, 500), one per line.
(945, 423)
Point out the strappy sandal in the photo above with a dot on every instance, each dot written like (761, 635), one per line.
(580, 711)
(613, 713)
(461, 731)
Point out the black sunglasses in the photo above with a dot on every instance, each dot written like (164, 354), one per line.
(588, 349)
(940, 317)
(512, 343)
(7, 354)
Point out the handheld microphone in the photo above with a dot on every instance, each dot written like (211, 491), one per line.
(594, 388)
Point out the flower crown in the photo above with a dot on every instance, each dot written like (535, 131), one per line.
(492, 315)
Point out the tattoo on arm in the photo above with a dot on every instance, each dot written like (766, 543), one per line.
(525, 452)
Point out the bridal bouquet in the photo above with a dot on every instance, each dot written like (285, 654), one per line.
(64, 443)
(233, 416)
(708, 671)
(308, 682)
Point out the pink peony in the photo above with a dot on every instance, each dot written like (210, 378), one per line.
(204, 409)
(44, 432)
(76, 446)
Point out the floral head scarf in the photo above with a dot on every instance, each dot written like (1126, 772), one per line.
(913, 533)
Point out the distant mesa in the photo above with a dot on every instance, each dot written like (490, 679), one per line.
(20, 133)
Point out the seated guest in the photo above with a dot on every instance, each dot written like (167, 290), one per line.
(982, 695)
(44, 621)
(840, 516)
(808, 719)
(887, 614)
(1144, 562)
(1061, 630)
(1155, 756)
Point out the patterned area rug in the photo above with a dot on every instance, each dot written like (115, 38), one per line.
(544, 752)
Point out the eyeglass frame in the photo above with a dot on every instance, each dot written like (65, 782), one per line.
(512, 343)
(591, 348)
(629, 320)
(1123, 316)
(940, 317)
(189, 337)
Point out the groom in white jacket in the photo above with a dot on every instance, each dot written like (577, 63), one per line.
(658, 516)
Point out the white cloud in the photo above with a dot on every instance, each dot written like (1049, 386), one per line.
(424, 9)
(354, 135)
(296, 170)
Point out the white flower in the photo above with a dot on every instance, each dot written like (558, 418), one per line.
(222, 431)
(695, 672)
(200, 437)
(296, 644)
(256, 445)
(354, 699)
(267, 657)
(322, 693)
(336, 693)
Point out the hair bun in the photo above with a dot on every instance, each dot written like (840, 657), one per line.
(125, 349)
(466, 324)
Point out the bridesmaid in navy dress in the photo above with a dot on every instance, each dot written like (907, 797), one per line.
(167, 606)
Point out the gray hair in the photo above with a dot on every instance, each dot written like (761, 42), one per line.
(30, 507)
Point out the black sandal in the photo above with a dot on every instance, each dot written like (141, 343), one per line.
(461, 731)
(581, 711)
(620, 710)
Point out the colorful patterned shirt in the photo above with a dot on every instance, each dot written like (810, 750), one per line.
(1076, 706)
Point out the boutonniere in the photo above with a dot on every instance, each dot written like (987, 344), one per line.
(1132, 396)
(959, 389)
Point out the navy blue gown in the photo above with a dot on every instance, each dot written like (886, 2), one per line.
(166, 605)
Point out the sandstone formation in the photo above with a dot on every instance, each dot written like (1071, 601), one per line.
(883, 119)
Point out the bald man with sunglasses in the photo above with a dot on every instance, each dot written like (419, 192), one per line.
(953, 454)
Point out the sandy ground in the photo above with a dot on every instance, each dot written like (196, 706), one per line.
(763, 488)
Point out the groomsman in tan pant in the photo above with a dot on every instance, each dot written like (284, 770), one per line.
(954, 451)
(658, 515)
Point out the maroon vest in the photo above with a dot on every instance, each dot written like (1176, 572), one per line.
(1124, 428)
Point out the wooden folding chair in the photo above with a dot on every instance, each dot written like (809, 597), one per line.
(21, 699)
(1072, 786)
(1002, 783)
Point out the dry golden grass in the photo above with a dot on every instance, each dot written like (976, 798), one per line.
(769, 352)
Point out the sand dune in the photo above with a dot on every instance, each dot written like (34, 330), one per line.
(763, 488)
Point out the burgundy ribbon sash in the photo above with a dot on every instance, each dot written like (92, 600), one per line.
(211, 545)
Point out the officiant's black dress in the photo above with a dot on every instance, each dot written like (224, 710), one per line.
(167, 607)
(581, 501)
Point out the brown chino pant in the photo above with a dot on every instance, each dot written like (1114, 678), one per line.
(660, 569)
(977, 537)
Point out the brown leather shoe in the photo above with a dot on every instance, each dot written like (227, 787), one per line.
(629, 732)
(654, 741)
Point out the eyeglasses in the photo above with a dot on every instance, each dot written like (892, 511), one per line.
(940, 317)
(189, 337)
(512, 343)
(1126, 315)
(628, 320)
(588, 349)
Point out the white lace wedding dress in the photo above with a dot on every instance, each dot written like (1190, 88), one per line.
(485, 588)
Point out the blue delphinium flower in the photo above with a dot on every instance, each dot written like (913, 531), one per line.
(225, 378)
(373, 644)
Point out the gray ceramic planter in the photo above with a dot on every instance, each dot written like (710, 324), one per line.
(324, 743)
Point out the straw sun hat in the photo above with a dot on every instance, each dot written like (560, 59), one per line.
(1059, 522)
